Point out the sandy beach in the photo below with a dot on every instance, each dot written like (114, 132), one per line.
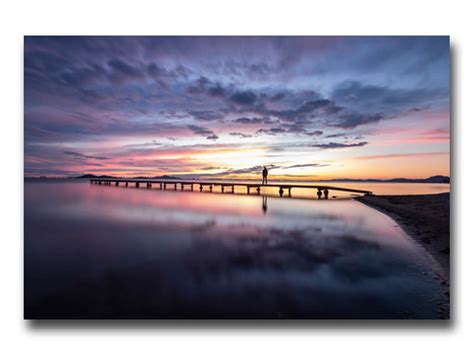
(424, 217)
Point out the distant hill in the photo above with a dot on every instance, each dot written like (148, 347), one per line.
(92, 176)
(437, 179)
(168, 177)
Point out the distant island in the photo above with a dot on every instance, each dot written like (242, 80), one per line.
(437, 179)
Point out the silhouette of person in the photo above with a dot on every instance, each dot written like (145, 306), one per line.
(264, 175)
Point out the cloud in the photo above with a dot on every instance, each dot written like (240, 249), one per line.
(369, 98)
(353, 120)
(82, 156)
(85, 90)
(286, 128)
(212, 168)
(272, 131)
(244, 98)
(212, 137)
(304, 111)
(333, 145)
(206, 115)
(216, 90)
(199, 87)
(200, 130)
(241, 135)
(406, 155)
(277, 97)
(250, 170)
(253, 120)
(122, 71)
(319, 165)
(336, 135)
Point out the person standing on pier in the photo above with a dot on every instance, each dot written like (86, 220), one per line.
(264, 175)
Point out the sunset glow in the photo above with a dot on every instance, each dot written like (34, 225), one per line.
(308, 108)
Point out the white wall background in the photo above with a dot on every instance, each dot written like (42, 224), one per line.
(140, 17)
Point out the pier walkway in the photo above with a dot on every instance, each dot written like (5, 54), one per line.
(255, 187)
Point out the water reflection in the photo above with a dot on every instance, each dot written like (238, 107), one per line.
(264, 204)
(93, 252)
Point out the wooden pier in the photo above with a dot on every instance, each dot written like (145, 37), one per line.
(321, 191)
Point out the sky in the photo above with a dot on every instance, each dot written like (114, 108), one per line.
(308, 108)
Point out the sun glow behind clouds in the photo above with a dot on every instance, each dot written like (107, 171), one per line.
(214, 107)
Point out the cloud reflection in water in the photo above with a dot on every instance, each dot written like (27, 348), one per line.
(107, 252)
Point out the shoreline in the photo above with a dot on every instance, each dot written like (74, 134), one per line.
(425, 219)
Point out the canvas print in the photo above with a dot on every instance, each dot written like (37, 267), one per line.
(241, 177)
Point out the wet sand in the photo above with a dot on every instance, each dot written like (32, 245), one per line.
(424, 217)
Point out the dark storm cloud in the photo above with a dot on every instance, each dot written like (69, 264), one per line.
(333, 145)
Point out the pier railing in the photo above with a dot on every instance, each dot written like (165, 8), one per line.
(252, 187)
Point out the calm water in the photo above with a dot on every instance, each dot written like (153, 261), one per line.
(113, 252)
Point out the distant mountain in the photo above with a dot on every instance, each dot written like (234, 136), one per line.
(168, 177)
(437, 179)
(92, 176)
